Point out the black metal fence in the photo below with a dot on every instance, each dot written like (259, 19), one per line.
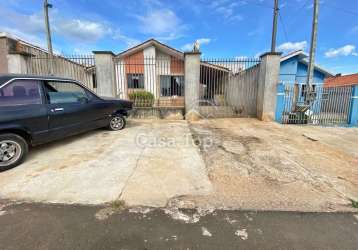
(319, 105)
(151, 81)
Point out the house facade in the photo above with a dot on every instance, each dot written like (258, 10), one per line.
(151, 67)
(294, 69)
(158, 69)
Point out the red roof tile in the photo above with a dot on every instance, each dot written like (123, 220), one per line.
(341, 80)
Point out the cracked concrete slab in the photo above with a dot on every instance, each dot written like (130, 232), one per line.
(268, 166)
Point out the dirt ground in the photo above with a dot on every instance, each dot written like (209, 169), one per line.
(268, 166)
(211, 164)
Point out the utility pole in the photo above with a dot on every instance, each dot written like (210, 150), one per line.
(48, 34)
(274, 26)
(313, 48)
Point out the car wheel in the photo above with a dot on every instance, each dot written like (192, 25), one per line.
(117, 122)
(13, 150)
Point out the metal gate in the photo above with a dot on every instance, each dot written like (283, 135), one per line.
(228, 87)
(318, 106)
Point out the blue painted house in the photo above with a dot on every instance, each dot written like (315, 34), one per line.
(294, 68)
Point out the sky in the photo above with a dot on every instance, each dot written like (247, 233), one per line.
(224, 28)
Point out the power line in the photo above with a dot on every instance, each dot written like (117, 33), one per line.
(297, 11)
(341, 9)
(283, 27)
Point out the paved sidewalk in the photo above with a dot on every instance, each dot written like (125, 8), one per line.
(36, 226)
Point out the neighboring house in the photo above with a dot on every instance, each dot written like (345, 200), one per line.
(20, 57)
(339, 80)
(294, 69)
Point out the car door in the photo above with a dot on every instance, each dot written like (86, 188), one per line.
(69, 108)
(22, 107)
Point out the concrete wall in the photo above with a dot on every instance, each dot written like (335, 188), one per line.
(241, 92)
(17, 64)
(3, 56)
(105, 71)
(267, 87)
(192, 83)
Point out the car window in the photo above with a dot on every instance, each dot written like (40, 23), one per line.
(65, 92)
(21, 92)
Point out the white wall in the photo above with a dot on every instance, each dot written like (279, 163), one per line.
(150, 83)
(121, 79)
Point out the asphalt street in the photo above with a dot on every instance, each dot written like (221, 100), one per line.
(40, 226)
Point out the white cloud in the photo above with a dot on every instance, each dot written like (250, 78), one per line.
(32, 25)
(292, 46)
(189, 46)
(81, 30)
(131, 42)
(227, 9)
(347, 50)
(164, 24)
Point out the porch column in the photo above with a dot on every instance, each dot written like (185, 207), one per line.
(267, 89)
(192, 85)
(353, 116)
(105, 73)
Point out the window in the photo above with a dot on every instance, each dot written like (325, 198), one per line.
(65, 92)
(171, 85)
(304, 90)
(135, 81)
(21, 92)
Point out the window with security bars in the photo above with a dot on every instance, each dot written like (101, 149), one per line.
(171, 85)
(135, 81)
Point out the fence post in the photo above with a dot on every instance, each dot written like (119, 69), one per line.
(280, 102)
(192, 82)
(267, 89)
(105, 73)
(353, 117)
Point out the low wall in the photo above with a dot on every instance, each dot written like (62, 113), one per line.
(167, 113)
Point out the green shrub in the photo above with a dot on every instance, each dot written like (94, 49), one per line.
(141, 98)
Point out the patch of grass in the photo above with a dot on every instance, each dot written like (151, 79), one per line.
(354, 203)
(118, 205)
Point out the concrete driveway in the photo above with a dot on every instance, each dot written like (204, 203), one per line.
(145, 164)
(230, 164)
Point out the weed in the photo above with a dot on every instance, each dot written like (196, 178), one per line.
(354, 203)
(118, 205)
